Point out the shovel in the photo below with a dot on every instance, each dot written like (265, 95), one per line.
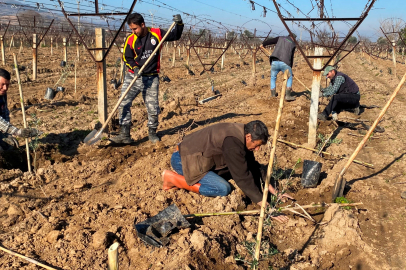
(95, 135)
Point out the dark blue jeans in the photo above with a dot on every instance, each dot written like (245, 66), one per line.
(212, 185)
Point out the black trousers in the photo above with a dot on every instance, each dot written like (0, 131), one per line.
(339, 102)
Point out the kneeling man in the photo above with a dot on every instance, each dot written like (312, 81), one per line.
(344, 94)
(202, 157)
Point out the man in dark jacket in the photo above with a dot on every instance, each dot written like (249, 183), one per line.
(6, 129)
(281, 60)
(137, 49)
(344, 94)
(204, 156)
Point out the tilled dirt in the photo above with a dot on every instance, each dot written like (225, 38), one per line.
(83, 198)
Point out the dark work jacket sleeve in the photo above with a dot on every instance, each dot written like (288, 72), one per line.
(270, 41)
(129, 56)
(175, 34)
(240, 163)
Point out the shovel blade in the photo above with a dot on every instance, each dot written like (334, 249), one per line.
(92, 138)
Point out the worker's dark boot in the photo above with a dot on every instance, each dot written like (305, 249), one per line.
(153, 137)
(356, 111)
(288, 94)
(173, 180)
(273, 92)
(322, 116)
(124, 137)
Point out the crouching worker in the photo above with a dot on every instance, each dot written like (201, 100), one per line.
(344, 94)
(7, 131)
(203, 157)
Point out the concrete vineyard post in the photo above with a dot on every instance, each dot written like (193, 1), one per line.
(52, 46)
(174, 54)
(187, 55)
(101, 75)
(314, 103)
(394, 55)
(65, 50)
(34, 57)
(254, 68)
(3, 55)
(223, 58)
(77, 50)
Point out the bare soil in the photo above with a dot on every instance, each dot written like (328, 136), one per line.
(83, 198)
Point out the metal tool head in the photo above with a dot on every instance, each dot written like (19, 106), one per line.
(92, 137)
(155, 230)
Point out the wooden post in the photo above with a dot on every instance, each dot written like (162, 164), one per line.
(174, 54)
(11, 43)
(52, 46)
(314, 103)
(65, 50)
(27, 148)
(122, 70)
(101, 75)
(269, 172)
(3, 55)
(394, 55)
(77, 49)
(34, 57)
(113, 257)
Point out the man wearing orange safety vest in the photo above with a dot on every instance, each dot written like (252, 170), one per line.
(137, 49)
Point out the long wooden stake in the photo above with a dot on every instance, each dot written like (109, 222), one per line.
(283, 209)
(326, 153)
(113, 256)
(270, 165)
(340, 181)
(27, 259)
(27, 147)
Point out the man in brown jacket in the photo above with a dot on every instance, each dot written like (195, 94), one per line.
(202, 157)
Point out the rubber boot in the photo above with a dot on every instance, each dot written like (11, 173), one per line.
(173, 180)
(288, 94)
(273, 93)
(153, 137)
(124, 137)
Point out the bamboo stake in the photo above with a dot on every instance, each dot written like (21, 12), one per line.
(283, 209)
(27, 259)
(113, 256)
(27, 147)
(340, 181)
(326, 153)
(270, 165)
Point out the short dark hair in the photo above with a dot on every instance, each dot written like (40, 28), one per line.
(135, 18)
(5, 74)
(258, 131)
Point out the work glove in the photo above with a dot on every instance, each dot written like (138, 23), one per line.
(27, 132)
(177, 18)
(136, 70)
(10, 140)
(320, 93)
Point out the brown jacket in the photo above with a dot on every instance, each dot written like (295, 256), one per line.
(202, 151)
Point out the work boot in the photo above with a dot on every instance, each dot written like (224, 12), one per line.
(273, 93)
(356, 111)
(173, 180)
(153, 137)
(288, 94)
(124, 137)
(322, 117)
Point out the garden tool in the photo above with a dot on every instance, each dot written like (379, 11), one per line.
(95, 135)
